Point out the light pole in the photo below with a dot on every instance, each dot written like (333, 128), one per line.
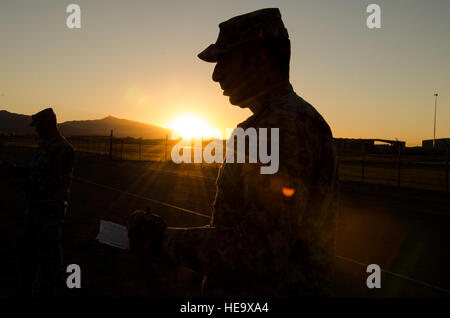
(434, 133)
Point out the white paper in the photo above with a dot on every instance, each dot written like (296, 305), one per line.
(113, 234)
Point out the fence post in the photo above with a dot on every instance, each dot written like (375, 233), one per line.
(363, 162)
(111, 144)
(446, 169)
(165, 149)
(399, 163)
(121, 150)
(192, 150)
(140, 148)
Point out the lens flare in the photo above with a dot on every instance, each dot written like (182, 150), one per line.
(288, 192)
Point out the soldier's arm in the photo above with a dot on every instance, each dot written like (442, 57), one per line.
(215, 249)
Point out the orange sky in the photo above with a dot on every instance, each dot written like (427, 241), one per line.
(137, 60)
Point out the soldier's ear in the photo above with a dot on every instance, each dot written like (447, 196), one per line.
(260, 57)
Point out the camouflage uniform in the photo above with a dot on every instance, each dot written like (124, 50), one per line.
(262, 241)
(48, 194)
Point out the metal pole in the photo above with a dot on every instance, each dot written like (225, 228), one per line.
(399, 163)
(192, 150)
(165, 149)
(363, 161)
(434, 133)
(110, 143)
(446, 169)
(140, 148)
(121, 150)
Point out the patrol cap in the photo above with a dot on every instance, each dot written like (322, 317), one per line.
(46, 115)
(258, 25)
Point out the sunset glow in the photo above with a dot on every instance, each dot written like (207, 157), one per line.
(192, 126)
(364, 82)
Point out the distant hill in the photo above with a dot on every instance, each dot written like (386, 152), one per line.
(121, 128)
(18, 124)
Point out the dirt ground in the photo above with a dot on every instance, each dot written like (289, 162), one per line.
(405, 231)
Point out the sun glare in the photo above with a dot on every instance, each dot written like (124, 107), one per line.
(191, 126)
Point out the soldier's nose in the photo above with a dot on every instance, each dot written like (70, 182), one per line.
(217, 75)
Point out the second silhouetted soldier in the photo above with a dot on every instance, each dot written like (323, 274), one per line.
(49, 180)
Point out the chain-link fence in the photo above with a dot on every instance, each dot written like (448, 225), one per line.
(125, 148)
(395, 168)
(412, 171)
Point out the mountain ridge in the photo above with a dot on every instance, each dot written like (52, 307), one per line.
(19, 124)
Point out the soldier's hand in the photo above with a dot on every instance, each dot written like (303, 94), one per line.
(146, 232)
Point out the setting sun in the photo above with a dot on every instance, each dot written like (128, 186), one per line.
(191, 126)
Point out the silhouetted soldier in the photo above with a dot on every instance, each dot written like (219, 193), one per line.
(49, 180)
(271, 234)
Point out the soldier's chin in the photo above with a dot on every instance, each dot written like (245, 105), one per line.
(238, 100)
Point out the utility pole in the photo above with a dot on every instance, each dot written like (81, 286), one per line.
(434, 133)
